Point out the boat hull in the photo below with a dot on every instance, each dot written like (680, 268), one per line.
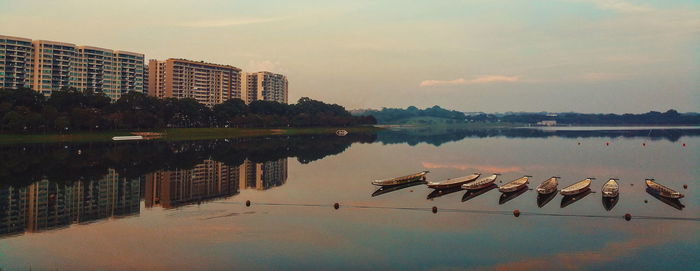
(514, 185)
(452, 183)
(577, 188)
(401, 180)
(610, 189)
(479, 184)
(547, 187)
(663, 190)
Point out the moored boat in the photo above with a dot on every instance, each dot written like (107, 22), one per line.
(675, 203)
(549, 186)
(577, 187)
(515, 185)
(401, 180)
(663, 190)
(454, 182)
(480, 183)
(611, 189)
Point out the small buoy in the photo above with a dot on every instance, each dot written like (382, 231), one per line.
(410, 190)
(579, 143)
(434, 210)
(628, 217)
(516, 213)
(631, 184)
(683, 144)
(607, 143)
(645, 201)
(336, 206)
(247, 203)
(685, 186)
(644, 144)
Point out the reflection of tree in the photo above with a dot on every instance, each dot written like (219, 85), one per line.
(25, 164)
(439, 136)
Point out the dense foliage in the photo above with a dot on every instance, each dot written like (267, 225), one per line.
(25, 110)
(398, 116)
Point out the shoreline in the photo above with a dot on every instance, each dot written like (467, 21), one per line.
(176, 134)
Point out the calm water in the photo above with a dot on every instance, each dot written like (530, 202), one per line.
(180, 206)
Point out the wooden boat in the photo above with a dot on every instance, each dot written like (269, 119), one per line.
(675, 203)
(505, 197)
(515, 185)
(577, 187)
(662, 190)
(124, 138)
(341, 132)
(401, 180)
(454, 182)
(568, 200)
(548, 186)
(611, 189)
(386, 189)
(481, 183)
(475, 193)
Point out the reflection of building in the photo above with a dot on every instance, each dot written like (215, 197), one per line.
(208, 83)
(262, 176)
(210, 180)
(46, 205)
(265, 86)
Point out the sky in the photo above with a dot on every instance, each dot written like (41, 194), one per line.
(471, 55)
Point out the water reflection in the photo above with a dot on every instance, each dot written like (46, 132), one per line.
(609, 203)
(440, 135)
(475, 193)
(386, 189)
(441, 192)
(543, 199)
(505, 197)
(570, 199)
(675, 203)
(51, 186)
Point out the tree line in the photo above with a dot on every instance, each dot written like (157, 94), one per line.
(25, 110)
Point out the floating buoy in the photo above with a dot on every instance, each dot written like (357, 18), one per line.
(631, 184)
(434, 210)
(247, 203)
(579, 143)
(645, 201)
(628, 217)
(685, 186)
(516, 213)
(607, 143)
(683, 144)
(410, 190)
(336, 206)
(644, 144)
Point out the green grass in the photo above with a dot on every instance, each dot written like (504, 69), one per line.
(179, 134)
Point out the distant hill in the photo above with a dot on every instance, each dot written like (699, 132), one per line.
(413, 115)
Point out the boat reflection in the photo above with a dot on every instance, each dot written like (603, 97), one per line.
(475, 193)
(386, 189)
(543, 199)
(568, 200)
(505, 197)
(675, 203)
(441, 192)
(609, 203)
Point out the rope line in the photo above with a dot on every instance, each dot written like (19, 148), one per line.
(452, 210)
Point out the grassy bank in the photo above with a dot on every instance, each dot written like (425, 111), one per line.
(174, 134)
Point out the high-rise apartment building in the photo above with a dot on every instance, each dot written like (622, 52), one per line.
(208, 83)
(16, 59)
(49, 66)
(265, 86)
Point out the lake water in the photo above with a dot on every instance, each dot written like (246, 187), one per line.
(181, 205)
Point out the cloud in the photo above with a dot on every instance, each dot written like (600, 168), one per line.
(230, 22)
(463, 82)
(618, 6)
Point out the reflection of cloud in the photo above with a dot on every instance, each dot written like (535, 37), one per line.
(486, 168)
(576, 260)
(230, 22)
(463, 82)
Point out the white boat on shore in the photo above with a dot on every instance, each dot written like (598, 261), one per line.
(124, 138)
